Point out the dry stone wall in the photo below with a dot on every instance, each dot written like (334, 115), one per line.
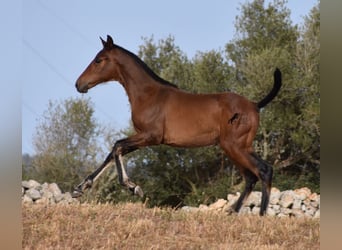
(34, 193)
(297, 203)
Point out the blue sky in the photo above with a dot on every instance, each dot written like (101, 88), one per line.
(60, 38)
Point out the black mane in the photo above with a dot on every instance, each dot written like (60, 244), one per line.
(147, 68)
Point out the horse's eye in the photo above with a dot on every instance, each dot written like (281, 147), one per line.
(97, 60)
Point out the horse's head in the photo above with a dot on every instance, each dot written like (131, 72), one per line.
(103, 68)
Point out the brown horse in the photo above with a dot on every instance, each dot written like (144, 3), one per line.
(164, 114)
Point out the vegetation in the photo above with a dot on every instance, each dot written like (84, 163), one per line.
(132, 226)
(66, 144)
(289, 134)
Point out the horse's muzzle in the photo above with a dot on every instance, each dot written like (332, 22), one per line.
(82, 88)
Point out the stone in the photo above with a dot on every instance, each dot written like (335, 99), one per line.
(319, 200)
(54, 189)
(314, 204)
(30, 184)
(275, 208)
(45, 185)
(34, 194)
(285, 211)
(245, 210)
(286, 199)
(303, 207)
(219, 204)
(58, 197)
(275, 190)
(47, 194)
(203, 207)
(310, 211)
(43, 200)
(254, 199)
(270, 211)
(256, 210)
(306, 202)
(282, 215)
(317, 214)
(275, 197)
(303, 193)
(189, 209)
(26, 199)
(226, 207)
(232, 198)
(298, 213)
(313, 197)
(297, 202)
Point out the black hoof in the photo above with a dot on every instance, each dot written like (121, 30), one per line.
(79, 190)
(77, 193)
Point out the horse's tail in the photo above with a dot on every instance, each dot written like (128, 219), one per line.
(273, 93)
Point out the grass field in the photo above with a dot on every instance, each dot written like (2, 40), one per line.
(132, 226)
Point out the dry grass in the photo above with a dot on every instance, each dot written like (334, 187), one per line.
(132, 226)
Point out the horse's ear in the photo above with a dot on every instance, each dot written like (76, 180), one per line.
(103, 42)
(110, 42)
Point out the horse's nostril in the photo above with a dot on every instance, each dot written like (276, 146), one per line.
(77, 86)
(81, 88)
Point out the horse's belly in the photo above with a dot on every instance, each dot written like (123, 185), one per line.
(191, 137)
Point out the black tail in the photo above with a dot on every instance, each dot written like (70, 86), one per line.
(273, 93)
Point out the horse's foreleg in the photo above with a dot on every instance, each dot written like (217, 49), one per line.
(125, 146)
(89, 180)
(120, 148)
(124, 179)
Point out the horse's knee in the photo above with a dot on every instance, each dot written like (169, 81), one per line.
(117, 149)
(265, 170)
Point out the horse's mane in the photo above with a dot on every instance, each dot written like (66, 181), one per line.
(147, 68)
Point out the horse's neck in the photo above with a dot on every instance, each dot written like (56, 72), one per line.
(138, 84)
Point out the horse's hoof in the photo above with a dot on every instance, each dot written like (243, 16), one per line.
(77, 193)
(138, 191)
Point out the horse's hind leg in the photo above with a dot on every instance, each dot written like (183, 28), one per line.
(250, 179)
(253, 168)
(266, 175)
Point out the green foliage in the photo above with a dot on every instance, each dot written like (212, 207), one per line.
(297, 177)
(66, 143)
(217, 188)
(166, 172)
(211, 72)
(259, 27)
(167, 60)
